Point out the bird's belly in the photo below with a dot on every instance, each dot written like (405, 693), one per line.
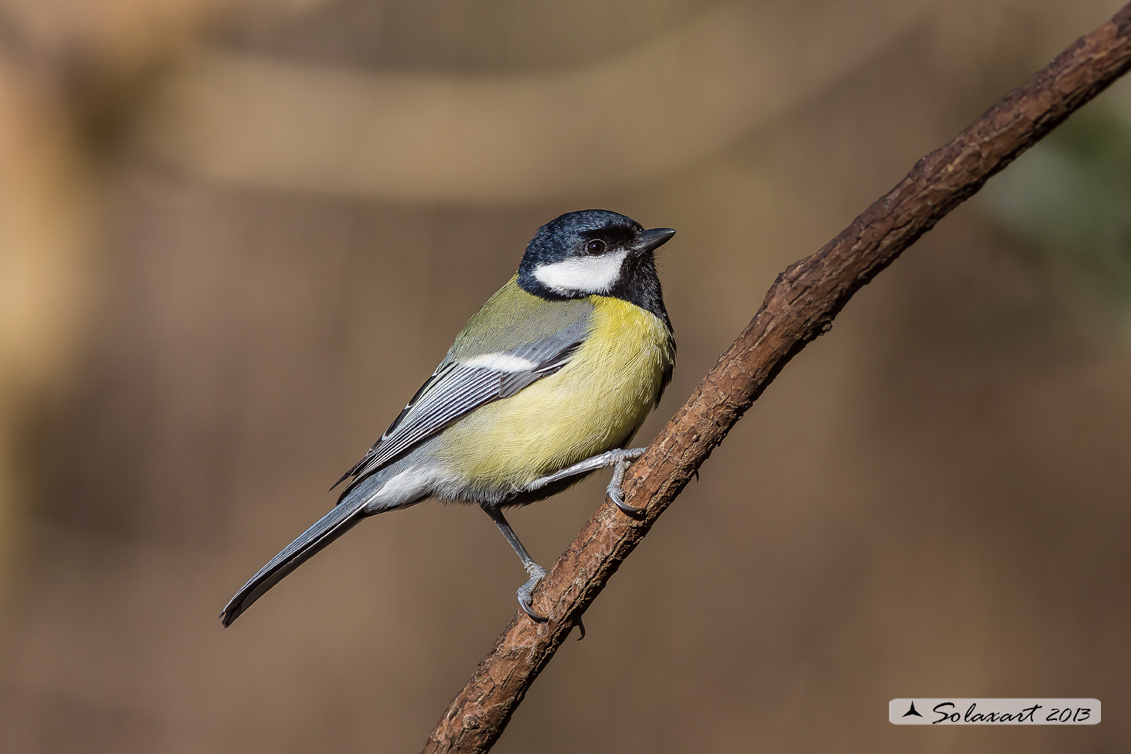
(593, 404)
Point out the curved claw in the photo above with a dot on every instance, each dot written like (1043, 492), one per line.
(524, 592)
(628, 510)
(528, 608)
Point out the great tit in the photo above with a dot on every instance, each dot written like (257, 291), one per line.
(545, 384)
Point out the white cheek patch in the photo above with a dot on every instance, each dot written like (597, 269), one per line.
(500, 362)
(582, 274)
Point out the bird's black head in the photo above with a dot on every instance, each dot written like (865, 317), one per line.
(595, 252)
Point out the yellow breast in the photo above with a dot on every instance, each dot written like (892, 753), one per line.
(593, 404)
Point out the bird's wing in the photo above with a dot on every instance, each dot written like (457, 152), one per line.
(466, 381)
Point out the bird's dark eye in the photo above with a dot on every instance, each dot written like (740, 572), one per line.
(595, 247)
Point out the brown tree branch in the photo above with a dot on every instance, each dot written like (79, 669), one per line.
(799, 306)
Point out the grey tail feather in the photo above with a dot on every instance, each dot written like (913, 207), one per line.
(340, 519)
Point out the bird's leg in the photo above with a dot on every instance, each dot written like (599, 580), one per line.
(537, 572)
(618, 459)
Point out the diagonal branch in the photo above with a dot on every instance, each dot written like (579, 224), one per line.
(799, 306)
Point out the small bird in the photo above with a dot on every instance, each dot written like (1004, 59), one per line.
(545, 384)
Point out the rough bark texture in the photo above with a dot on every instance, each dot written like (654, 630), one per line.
(799, 306)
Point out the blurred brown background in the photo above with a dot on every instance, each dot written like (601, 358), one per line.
(235, 237)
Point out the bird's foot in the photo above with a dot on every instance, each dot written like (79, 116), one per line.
(537, 573)
(615, 490)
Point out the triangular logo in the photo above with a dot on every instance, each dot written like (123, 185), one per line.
(912, 711)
